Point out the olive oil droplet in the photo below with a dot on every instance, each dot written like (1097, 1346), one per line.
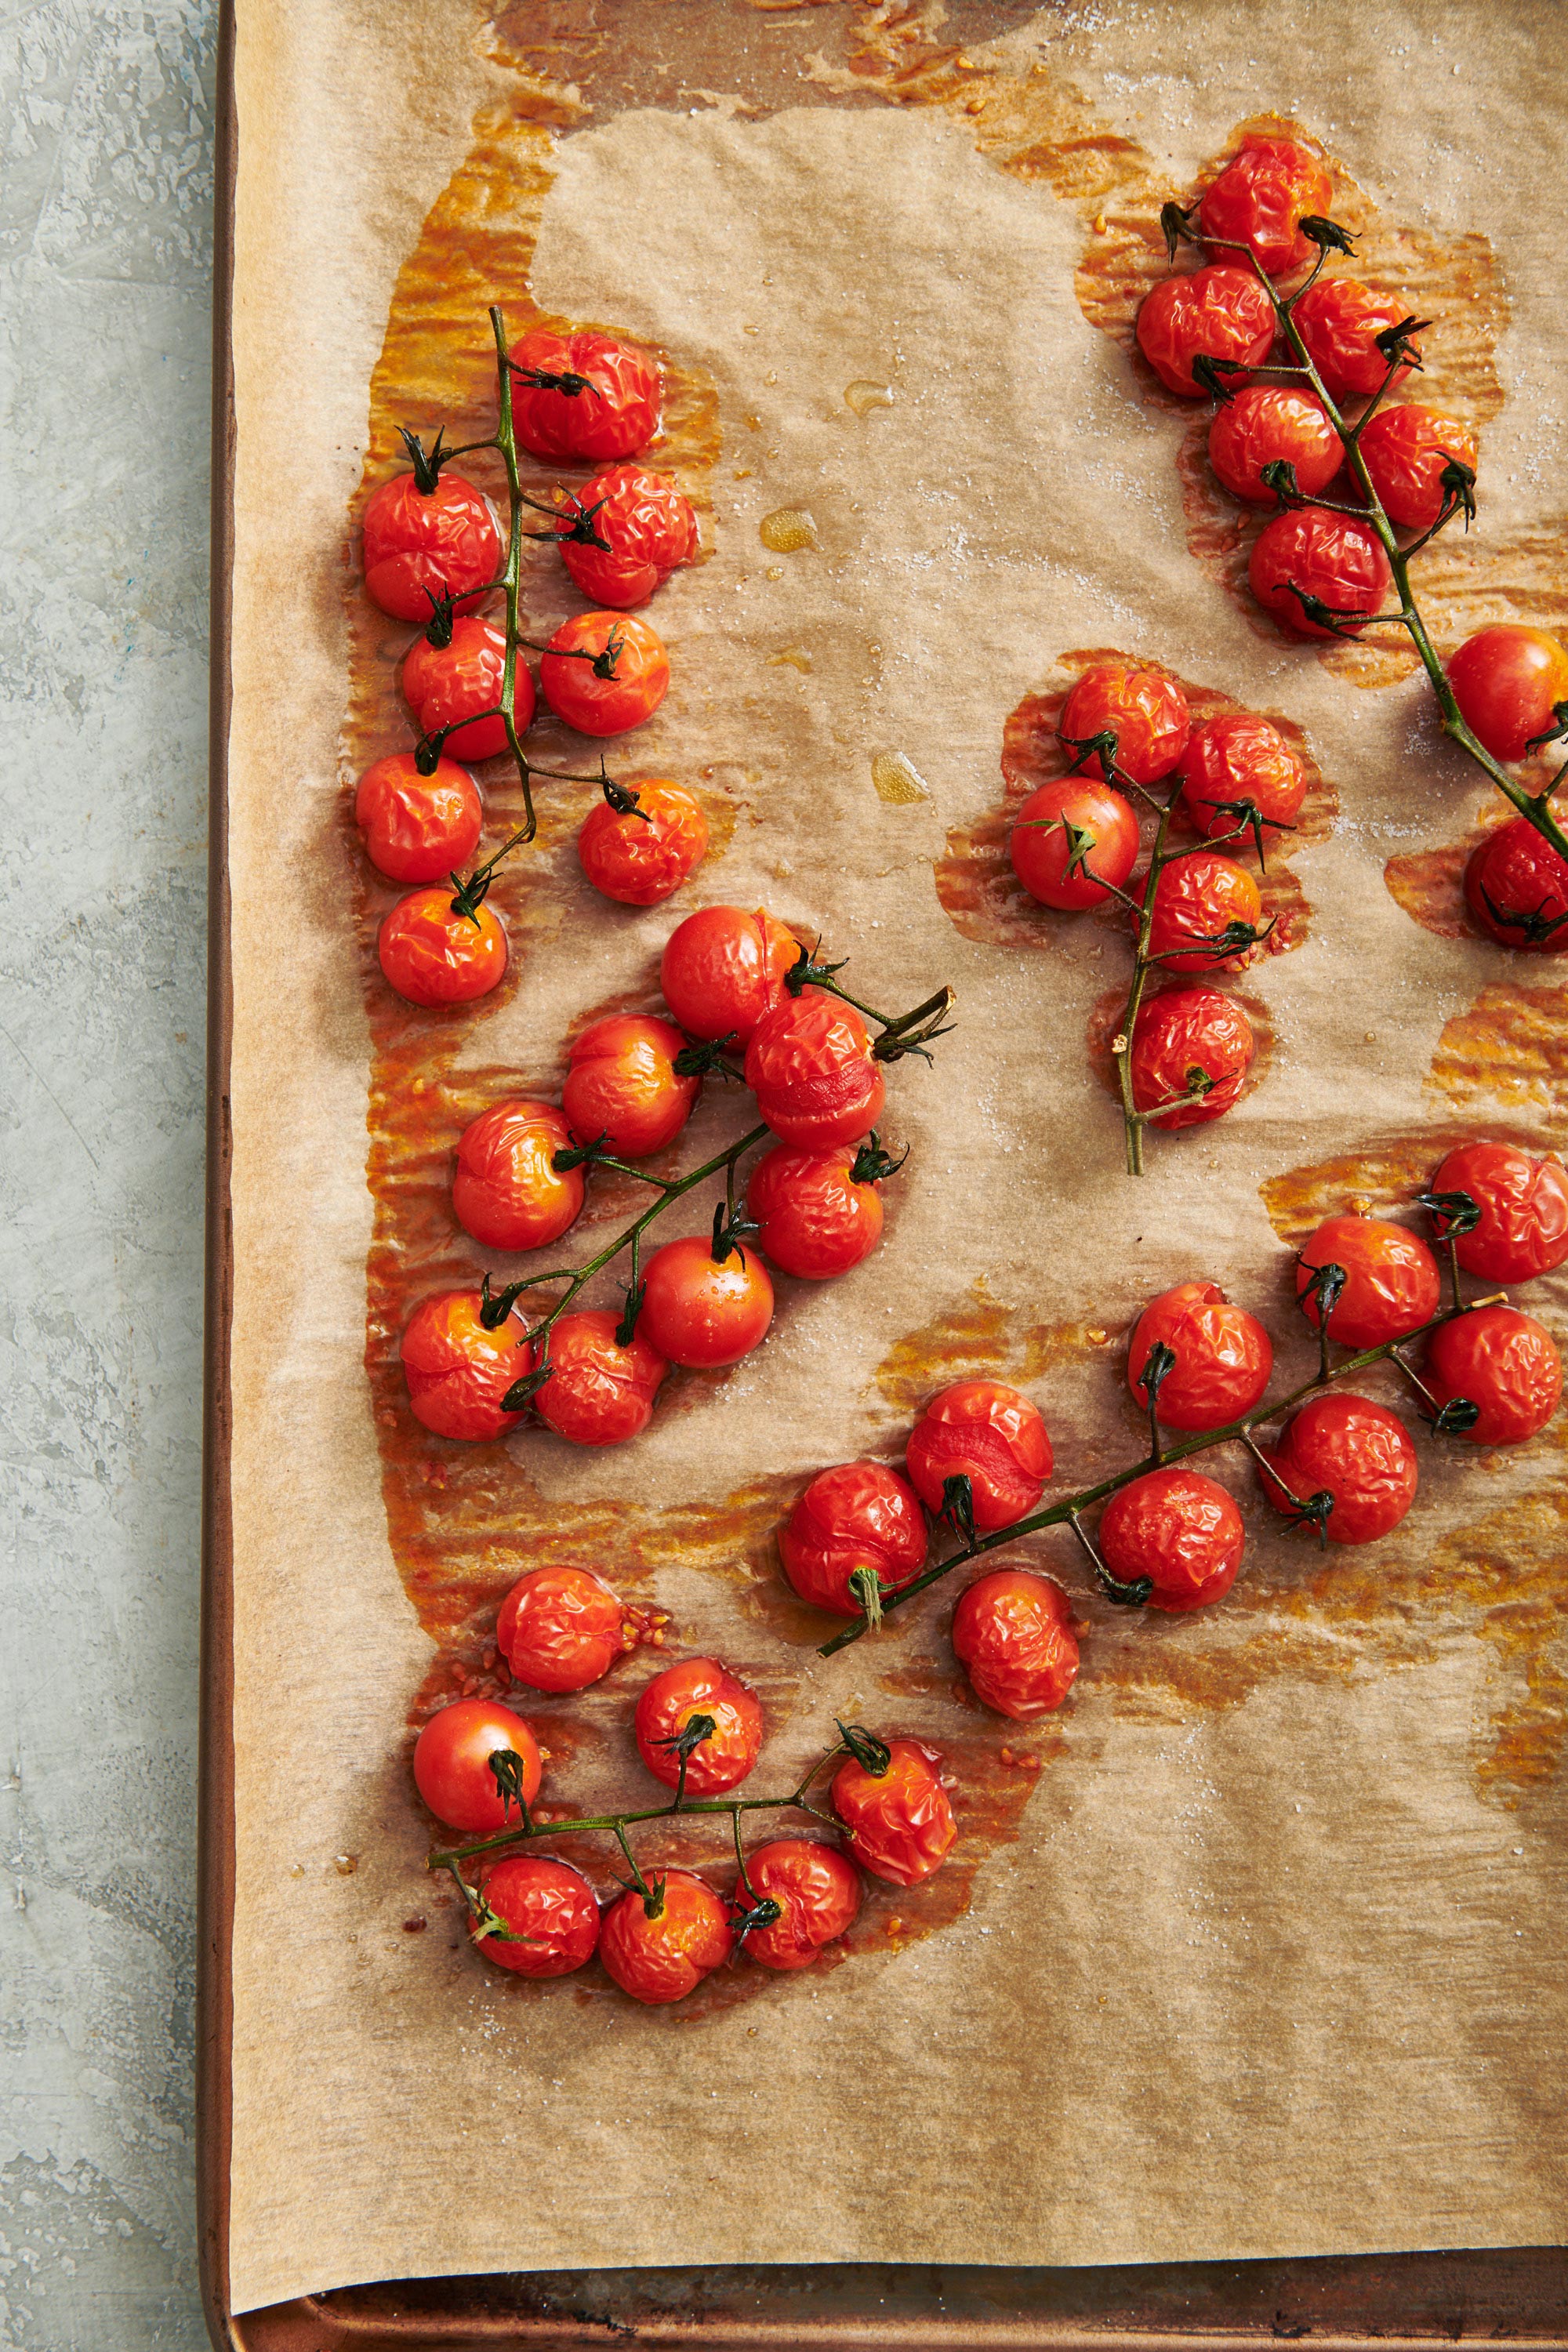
(863, 393)
(897, 779)
(787, 529)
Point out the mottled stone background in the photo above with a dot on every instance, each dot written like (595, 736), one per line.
(105, 259)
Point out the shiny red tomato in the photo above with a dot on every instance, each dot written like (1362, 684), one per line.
(1339, 319)
(622, 1084)
(1504, 1363)
(700, 1686)
(1178, 1529)
(1224, 1357)
(859, 1516)
(1354, 1449)
(1507, 680)
(604, 672)
(1234, 759)
(1264, 423)
(1333, 557)
(1013, 1634)
(1207, 914)
(447, 684)
(417, 828)
(703, 1313)
(1221, 311)
(452, 1768)
(650, 527)
(506, 1192)
(561, 1629)
(421, 545)
(1073, 822)
(664, 1956)
(817, 1215)
(1391, 1284)
(435, 950)
(457, 1372)
(1516, 886)
(599, 1392)
(639, 855)
(1404, 451)
(818, 1890)
(1523, 1229)
(549, 1912)
(1261, 194)
(988, 1433)
(1144, 709)
(1181, 1031)
(723, 969)
(811, 1067)
(584, 395)
(899, 1822)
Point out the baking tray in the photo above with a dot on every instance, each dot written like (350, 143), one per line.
(1516, 2294)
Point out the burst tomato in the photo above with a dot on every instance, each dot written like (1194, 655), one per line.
(1354, 1449)
(550, 1913)
(1146, 712)
(698, 1687)
(508, 1191)
(1076, 823)
(1207, 913)
(811, 1067)
(604, 672)
(421, 545)
(443, 685)
(599, 1392)
(1506, 1363)
(639, 855)
(1224, 1357)
(1404, 451)
(561, 1629)
(664, 1956)
(899, 1822)
(1221, 311)
(434, 951)
(1523, 1229)
(417, 828)
(989, 1434)
(622, 1084)
(818, 1890)
(1333, 557)
(1013, 1634)
(1187, 1030)
(452, 1768)
(650, 527)
(1178, 1529)
(1507, 680)
(1339, 319)
(1259, 197)
(1234, 759)
(700, 1312)
(457, 1372)
(1392, 1283)
(723, 969)
(586, 394)
(859, 1516)
(1264, 423)
(816, 1215)
(1516, 886)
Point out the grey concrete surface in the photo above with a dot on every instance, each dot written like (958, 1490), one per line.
(105, 257)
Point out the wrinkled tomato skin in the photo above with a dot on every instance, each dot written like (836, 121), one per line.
(457, 1373)
(442, 684)
(1220, 311)
(857, 1515)
(990, 1434)
(1265, 423)
(1145, 710)
(1224, 1358)
(1196, 897)
(1190, 1028)
(598, 1393)
(604, 706)
(1358, 1452)
(639, 859)
(818, 1890)
(701, 1314)
(1333, 557)
(898, 1826)
(1235, 756)
(1506, 680)
(549, 1908)
(616, 418)
(434, 957)
(507, 1192)
(1516, 887)
(700, 1686)
(1178, 1528)
(652, 531)
(815, 1219)
(661, 1960)
(622, 1082)
(1404, 451)
(811, 1067)
(1504, 1363)
(420, 545)
(1340, 319)
(1258, 198)
(561, 1629)
(451, 1767)
(1013, 1635)
(417, 828)
(1040, 849)
(1523, 1202)
(723, 969)
(1393, 1284)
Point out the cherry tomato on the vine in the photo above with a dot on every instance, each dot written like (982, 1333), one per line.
(1071, 838)
(1224, 1357)
(1264, 423)
(549, 1910)
(990, 1434)
(857, 1516)
(1259, 197)
(664, 1957)
(1391, 1284)
(1507, 680)
(435, 950)
(1235, 759)
(1207, 914)
(1185, 1030)
(899, 1822)
(1013, 1634)
(599, 1392)
(417, 828)
(447, 684)
(421, 545)
(1333, 557)
(1354, 1449)
(723, 969)
(1180, 1529)
(584, 395)
(457, 1372)
(1516, 886)
(1523, 1228)
(810, 1065)
(604, 672)
(622, 1082)
(816, 1215)
(1504, 1363)
(1220, 312)
(561, 1629)
(508, 1191)
(651, 528)
(452, 1768)
(639, 855)
(698, 1687)
(1404, 451)
(701, 1312)
(1144, 709)
(1340, 319)
(818, 1890)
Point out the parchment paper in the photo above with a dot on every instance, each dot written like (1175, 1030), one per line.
(1279, 1974)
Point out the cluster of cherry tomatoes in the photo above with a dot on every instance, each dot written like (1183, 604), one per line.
(433, 551)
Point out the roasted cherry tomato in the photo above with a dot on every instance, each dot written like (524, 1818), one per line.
(638, 855)
(561, 1628)
(723, 969)
(1238, 764)
(434, 948)
(1340, 319)
(818, 1890)
(1507, 681)
(1071, 839)
(1207, 914)
(649, 527)
(452, 1766)
(811, 1067)
(721, 1757)
(457, 1372)
(1224, 1357)
(1264, 423)
(1220, 312)
(1504, 1363)
(860, 1516)
(508, 1191)
(1391, 1284)
(1261, 194)
(1333, 557)
(1523, 1202)
(1357, 1451)
(417, 828)
(604, 672)
(985, 1433)
(663, 1957)
(1404, 451)
(1178, 1529)
(1144, 709)
(421, 545)
(1013, 1634)
(445, 684)
(622, 1084)
(703, 1312)
(599, 1392)
(1516, 886)
(817, 1212)
(549, 1915)
(584, 395)
(898, 1819)
(1187, 1030)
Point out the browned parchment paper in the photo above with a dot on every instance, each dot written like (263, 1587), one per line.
(1274, 1964)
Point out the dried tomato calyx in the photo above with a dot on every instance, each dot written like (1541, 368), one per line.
(1176, 225)
(506, 1765)
(473, 890)
(871, 1164)
(1451, 1212)
(866, 1590)
(1536, 925)
(1248, 818)
(690, 1736)
(706, 1059)
(627, 1328)
(729, 1223)
(871, 1754)
(1211, 370)
(426, 463)
(1327, 234)
(1101, 747)
(565, 379)
(764, 1914)
(522, 1393)
(1549, 734)
(623, 798)
(1322, 1290)
(957, 1509)
(438, 628)
(1395, 345)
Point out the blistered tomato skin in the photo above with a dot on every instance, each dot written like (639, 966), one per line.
(662, 1959)
(1404, 451)
(637, 676)
(1506, 1363)
(814, 1218)
(1224, 1357)
(859, 1515)
(1340, 319)
(599, 1392)
(433, 954)
(1393, 1284)
(700, 1686)
(561, 1629)
(1516, 886)
(1354, 1449)
(1334, 558)
(1506, 681)
(1197, 897)
(445, 685)
(1264, 423)
(1523, 1202)
(613, 413)
(899, 1824)
(1240, 757)
(651, 528)
(1042, 850)
(811, 1067)
(723, 969)
(550, 1911)
(1013, 1634)
(1179, 1528)
(702, 1313)
(508, 1191)
(452, 1770)
(818, 1890)
(417, 828)
(1186, 1029)
(1220, 311)
(457, 1373)
(1144, 709)
(1259, 197)
(639, 857)
(622, 1084)
(990, 1434)
(421, 545)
